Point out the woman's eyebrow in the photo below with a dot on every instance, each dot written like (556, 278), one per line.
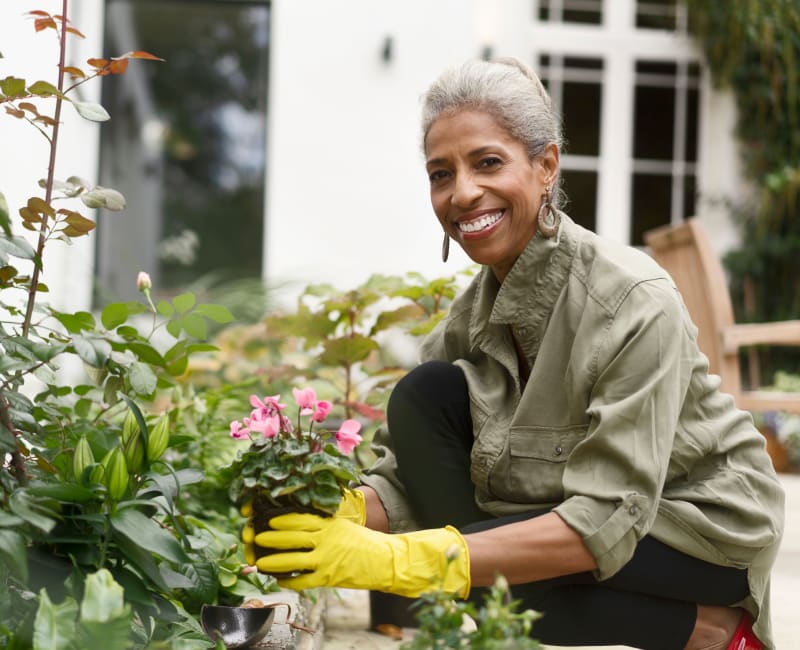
(479, 151)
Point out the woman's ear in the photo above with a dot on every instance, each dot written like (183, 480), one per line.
(549, 161)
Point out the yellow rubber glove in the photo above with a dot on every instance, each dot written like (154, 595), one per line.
(353, 507)
(343, 554)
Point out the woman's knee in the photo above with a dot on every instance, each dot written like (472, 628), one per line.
(426, 387)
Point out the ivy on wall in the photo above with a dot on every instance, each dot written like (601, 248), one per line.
(753, 48)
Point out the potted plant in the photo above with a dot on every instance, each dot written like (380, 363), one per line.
(291, 466)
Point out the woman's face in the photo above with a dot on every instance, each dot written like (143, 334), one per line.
(485, 190)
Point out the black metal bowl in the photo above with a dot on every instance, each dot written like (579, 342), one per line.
(238, 627)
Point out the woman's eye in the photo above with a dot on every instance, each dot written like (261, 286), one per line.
(490, 161)
(437, 175)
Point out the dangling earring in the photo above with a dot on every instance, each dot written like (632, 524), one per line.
(548, 218)
(445, 247)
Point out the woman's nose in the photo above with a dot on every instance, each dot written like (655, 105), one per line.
(466, 191)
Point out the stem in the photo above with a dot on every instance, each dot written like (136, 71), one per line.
(17, 461)
(51, 168)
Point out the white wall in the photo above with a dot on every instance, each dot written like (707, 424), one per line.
(347, 194)
(34, 56)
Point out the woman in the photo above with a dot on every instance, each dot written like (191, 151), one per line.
(562, 429)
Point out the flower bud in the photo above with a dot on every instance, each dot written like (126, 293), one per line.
(132, 445)
(82, 458)
(143, 282)
(158, 440)
(116, 477)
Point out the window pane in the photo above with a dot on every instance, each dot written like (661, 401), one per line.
(689, 197)
(186, 143)
(652, 195)
(581, 191)
(654, 122)
(581, 111)
(656, 14)
(589, 12)
(692, 122)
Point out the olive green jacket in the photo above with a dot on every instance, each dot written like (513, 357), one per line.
(619, 426)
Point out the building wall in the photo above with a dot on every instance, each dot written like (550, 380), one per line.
(346, 189)
(34, 56)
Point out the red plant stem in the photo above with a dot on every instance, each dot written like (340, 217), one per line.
(51, 169)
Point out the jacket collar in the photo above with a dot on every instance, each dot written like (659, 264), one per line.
(530, 289)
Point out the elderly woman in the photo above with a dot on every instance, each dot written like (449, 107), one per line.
(562, 429)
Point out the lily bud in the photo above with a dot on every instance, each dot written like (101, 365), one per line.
(116, 477)
(82, 458)
(158, 439)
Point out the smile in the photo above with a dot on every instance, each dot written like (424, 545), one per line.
(486, 221)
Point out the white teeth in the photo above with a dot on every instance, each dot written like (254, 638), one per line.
(479, 224)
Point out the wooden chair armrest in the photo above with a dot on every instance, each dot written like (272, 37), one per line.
(744, 334)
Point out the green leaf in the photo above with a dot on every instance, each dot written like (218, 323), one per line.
(142, 378)
(184, 302)
(105, 619)
(216, 313)
(5, 220)
(45, 89)
(147, 534)
(165, 309)
(147, 353)
(114, 314)
(67, 492)
(12, 553)
(55, 625)
(18, 247)
(93, 351)
(347, 350)
(194, 325)
(77, 322)
(93, 112)
(32, 510)
(12, 87)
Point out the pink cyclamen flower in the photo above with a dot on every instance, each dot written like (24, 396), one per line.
(306, 399)
(269, 406)
(267, 425)
(238, 431)
(321, 410)
(347, 437)
(143, 281)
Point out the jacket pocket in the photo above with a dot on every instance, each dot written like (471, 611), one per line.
(537, 457)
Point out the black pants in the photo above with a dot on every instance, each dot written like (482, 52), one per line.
(651, 603)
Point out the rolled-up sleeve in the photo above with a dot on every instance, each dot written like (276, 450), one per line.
(382, 477)
(614, 477)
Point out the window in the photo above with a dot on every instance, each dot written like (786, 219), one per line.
(571, 11)
(576, 85)
(661, 14)
(186, 144)
(664, 144)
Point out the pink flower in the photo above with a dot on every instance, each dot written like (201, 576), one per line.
(238, 431)
(268, 426)
(321, 410)
(306, 399)
(143, 281)
(347, 437)
(268, 407)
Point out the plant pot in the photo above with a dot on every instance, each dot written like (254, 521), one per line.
(263, 511)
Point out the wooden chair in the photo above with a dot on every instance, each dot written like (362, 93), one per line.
(686, 253)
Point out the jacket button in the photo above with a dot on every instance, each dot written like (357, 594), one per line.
(633, 511)
(559, 451)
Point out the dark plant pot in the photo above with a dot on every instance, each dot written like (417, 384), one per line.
(390, 609)
(263, 511)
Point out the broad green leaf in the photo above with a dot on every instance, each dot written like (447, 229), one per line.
(55, 625)
(183, 302)
(103, 599)
(12, 87)
(12, 553)
(147, 353)
(194, 325)
(34, 512)
(347, 350)
(147, 534)
(68, 492)
(94, 113)
(114, 314)
(216, 313)
(8, 443)
(165, 309)
(104, 197)
(142, 378)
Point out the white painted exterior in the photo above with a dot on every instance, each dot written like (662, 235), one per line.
(346, 188)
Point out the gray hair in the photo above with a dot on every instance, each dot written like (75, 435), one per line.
(509, 91)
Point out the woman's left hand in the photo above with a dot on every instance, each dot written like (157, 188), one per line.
(335, 552)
